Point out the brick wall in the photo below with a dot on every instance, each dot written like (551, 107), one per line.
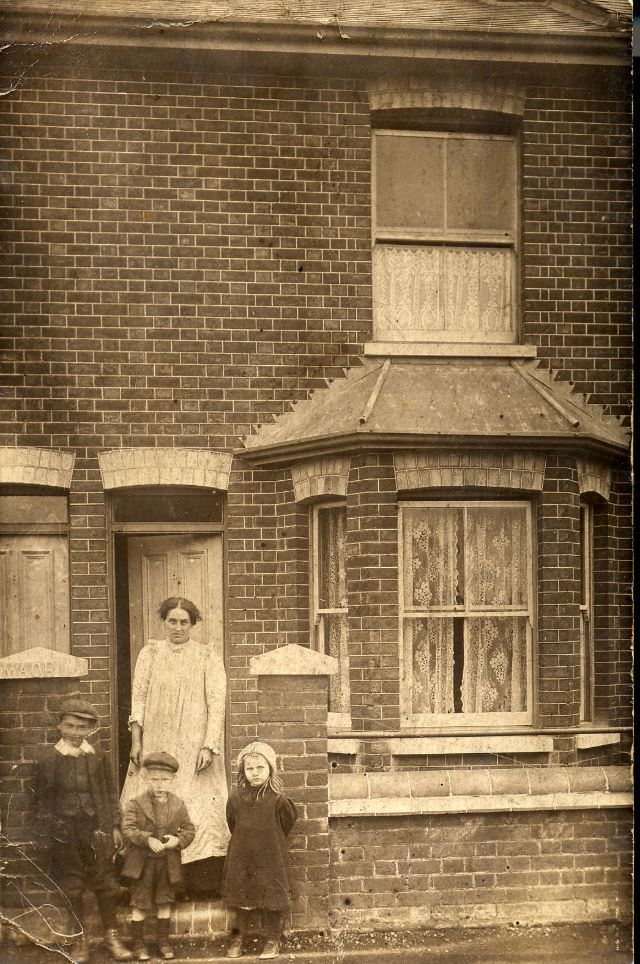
(188, 255)
(372, 591)
(480, 869)
(576, 201)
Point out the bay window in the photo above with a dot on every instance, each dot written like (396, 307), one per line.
(466, 612)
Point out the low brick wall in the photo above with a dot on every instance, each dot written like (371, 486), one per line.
(480, 868)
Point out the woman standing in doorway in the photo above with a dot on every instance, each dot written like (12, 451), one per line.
(178, 707)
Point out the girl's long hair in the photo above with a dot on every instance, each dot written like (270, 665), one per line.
(273, 781)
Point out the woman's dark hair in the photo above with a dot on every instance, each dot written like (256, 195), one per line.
(174, 602)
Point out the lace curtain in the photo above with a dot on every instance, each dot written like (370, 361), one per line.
(495, 665)
(332, 596)
(459, 561)
(332, 553)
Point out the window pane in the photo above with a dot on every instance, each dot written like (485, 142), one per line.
(437, 293)
(480, 184)
(32, 509)
(429, 643)
(433, 552)
(495, 665)
(333, 629)
(332, 543)
(409, 182)
(166, 505)
(497, 557)
(34, 593)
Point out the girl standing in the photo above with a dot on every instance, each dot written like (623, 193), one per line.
(256, 876)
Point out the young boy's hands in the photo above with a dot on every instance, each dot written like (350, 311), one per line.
(156, 845)
(170, 842)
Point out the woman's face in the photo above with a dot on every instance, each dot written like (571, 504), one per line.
(177, 625)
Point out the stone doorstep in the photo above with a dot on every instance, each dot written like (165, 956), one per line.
(192, 918)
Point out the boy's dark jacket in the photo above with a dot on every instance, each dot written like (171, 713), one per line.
(138, 824)
(102, 789)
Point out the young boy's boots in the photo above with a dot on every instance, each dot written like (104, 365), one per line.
(115, 946)
(140, 950)
(165, 951)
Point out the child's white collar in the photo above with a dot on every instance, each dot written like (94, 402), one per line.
(67, 749)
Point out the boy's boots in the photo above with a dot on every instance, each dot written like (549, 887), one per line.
(165, 951)
(140, 949)
(79, 952)
(115, 946)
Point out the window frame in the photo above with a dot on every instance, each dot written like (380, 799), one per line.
(587, 612)
(471, 238)
(48, 531)
(342, 719)
(445, 722)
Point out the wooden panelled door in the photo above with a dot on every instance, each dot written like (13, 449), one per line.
(174, 565)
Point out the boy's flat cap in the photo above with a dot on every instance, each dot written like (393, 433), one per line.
(160, 761)
(78, 707)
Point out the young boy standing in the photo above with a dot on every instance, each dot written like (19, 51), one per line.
(78, 818)
(156, 827)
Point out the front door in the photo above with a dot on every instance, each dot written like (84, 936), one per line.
(150, 569)
(178, 565)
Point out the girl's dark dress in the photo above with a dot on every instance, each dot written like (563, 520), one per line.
(256, 872)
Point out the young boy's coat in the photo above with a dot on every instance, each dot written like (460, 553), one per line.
(103, 793)
(139, 824)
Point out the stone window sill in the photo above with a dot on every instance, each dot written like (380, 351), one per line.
(438, 349)
(480, 791)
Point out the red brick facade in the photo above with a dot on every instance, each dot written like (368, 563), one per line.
(191, 254)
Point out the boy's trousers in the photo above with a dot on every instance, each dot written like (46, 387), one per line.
(81, 860)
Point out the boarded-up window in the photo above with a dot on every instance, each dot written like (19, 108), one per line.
(445, 237)
(466, 612)
(34, 573)
(329, 599)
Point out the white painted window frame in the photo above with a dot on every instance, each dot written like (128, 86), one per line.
(587, 656)
(316, 622)
(446, 721)
(409, 236)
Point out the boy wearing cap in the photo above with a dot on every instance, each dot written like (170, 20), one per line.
(156, 827)
(78, 820)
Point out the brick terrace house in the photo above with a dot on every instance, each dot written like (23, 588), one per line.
(323, 320)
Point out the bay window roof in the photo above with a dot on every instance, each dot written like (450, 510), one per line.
(392, 403)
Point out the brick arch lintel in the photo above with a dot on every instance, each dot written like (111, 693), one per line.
(594, 478)
(122, 468)
(30, 465)
(320, 477)
(415, 92)
(457, 468)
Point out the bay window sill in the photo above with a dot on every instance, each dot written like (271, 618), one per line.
(448, 745)
(439, 349)
(395, 793)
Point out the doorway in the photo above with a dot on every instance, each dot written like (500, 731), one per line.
(153, 559)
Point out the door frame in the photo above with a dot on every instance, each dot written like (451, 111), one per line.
(154, 529)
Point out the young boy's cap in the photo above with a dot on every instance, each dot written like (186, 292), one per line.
(78, 707)
(160, 761)
(263, 749)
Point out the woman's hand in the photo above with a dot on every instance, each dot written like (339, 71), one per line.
(205, 756)
(136, 744)
(117, 839)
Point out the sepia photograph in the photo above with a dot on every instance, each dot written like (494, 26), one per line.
(316, 488)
